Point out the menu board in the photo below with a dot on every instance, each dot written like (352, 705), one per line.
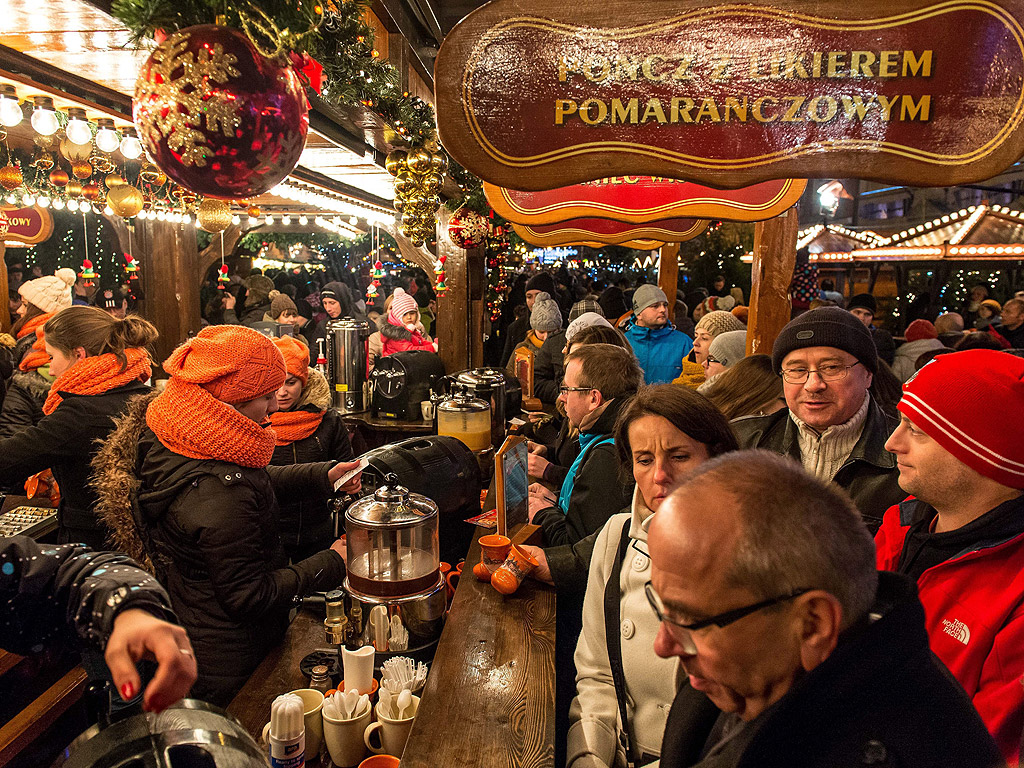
(512, 485)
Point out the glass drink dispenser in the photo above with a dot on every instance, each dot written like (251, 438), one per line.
(467, 419)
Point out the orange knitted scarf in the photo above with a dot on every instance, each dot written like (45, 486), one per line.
(36, 322)
(36, 356)
(290, 426)
(191, 422)
(98, 374)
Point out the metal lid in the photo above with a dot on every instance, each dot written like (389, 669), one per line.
(488, 376)
(463, 403)
(348, 324)
(391, 506)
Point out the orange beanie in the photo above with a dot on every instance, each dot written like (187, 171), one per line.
(296, 356)
(231, 362)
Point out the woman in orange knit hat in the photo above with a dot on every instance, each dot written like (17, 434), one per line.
(99, 363)
(307, 429)
(185, 481)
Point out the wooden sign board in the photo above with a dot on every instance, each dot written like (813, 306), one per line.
(537, 94)
(512, 485)
(642, 199)
(610, 232)
(26, 225)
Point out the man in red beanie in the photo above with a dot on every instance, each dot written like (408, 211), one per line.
(961, 534)
(921, 337)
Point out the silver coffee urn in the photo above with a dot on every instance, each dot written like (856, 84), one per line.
(346, 363)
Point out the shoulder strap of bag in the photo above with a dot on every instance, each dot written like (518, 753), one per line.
(612, 615)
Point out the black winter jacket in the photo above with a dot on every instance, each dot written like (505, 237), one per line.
(869, 474)
(598, 491)
(305, 525)
(45, 588)
(65, 441)
(23, 404)
(881, 699)
(548, 368)
(210, 528)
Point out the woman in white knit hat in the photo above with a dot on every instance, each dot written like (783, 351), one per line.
(40, 300)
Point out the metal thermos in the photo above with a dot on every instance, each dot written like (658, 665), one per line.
(346, 363)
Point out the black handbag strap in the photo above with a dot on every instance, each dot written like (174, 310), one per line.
(612, 614)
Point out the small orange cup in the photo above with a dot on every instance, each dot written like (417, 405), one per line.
(513, 571)
(493, 550)
(481, 572)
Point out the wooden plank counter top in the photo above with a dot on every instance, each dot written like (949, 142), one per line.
(490, 695)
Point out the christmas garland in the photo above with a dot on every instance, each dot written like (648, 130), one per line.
(333, 33)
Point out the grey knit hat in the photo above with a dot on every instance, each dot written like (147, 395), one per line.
(545, 315)
(645, 296)
(826, 327)
(586, 320)
(729, 348)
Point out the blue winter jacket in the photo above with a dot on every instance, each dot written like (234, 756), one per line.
(660, 351)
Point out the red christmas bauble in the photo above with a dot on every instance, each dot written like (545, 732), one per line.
(218, 117)
(467, 228)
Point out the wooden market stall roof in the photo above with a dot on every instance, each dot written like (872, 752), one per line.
(977, 233)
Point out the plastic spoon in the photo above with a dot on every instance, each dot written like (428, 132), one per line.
(385, 702)
(404, 702)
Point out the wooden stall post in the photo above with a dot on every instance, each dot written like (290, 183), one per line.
(169, 259)
(771, 274)
(668, 275)
(454, 308)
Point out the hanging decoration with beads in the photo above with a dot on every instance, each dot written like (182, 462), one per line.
(419, 175)
(88, 274)
(376, 274)
(440, 284)
(222, 277)
(499, 252)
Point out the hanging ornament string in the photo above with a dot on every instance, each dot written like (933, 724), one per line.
(222, 277)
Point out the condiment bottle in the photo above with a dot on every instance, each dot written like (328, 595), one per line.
(287, 733)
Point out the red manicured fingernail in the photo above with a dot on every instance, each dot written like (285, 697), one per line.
(127, 691)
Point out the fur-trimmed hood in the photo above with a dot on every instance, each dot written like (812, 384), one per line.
(395, 332)
(116, 483)
(316, 393)
(33, 383)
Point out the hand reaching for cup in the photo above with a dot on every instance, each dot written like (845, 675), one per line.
(138, 634)
(543, 571)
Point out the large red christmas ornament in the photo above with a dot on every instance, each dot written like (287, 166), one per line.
(467, 228)
(218, 117)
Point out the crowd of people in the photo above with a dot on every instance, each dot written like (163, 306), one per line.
(811, 557)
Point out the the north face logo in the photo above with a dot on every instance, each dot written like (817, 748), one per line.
(957, 629)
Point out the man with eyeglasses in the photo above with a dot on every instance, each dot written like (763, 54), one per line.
(826, 358)
(960, 535)
(764, 581)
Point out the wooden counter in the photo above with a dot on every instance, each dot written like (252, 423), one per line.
(490, 695)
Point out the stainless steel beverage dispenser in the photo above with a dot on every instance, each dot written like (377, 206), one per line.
(346, 363)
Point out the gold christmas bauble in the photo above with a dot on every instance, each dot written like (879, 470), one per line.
(152, 175)
(75, 152)
(114, 180)
(125, 200)
(73, 189)
(395, 162)
(81, 169)
(433, 184)
(213, 215)
(419, 161)
(59, 177)
(439, 163)
(10, 177)
(254, 211)
(92, 192)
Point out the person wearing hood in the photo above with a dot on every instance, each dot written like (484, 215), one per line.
(545, 320)
(40, 300)
(184, 481)
(336, 300)
(257, 298)
(403, 330)
(306, 429)
(658, 346)
(99, 364)
(921, 337)
(711, 325)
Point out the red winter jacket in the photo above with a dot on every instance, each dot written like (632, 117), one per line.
(397, 338)
(974, 614)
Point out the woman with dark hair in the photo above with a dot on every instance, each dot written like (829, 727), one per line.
(623, 691)
(99, 363)
(748, 388)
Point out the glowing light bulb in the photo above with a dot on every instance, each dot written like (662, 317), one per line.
(286, 220)
(58, 204)
(72, 205)
(303, 220)
(131, 147)
(43, 202)
(44, 116)
(10, 109)
(236, 219)
(107, 139)
(77, 130)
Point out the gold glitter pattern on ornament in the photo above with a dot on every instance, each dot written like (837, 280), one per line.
(182, 103)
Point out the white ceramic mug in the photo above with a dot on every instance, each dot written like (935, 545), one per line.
(393, 733)
(344, 738)
(312, 707)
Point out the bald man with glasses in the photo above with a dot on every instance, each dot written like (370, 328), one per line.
(831, 425)
(793, 650)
